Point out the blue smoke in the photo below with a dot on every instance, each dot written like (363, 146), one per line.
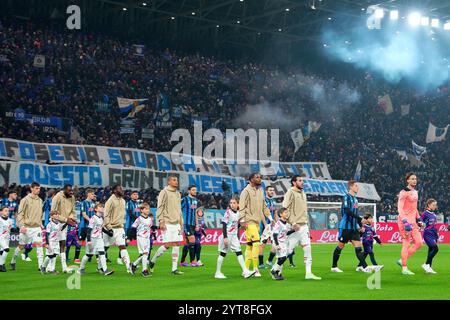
(398, 52)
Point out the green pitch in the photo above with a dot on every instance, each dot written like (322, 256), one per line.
(199, 283)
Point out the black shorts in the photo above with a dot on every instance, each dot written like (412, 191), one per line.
(346, 235)
(82, 234)
(189, 230)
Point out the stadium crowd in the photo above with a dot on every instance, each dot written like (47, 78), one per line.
(84, 74)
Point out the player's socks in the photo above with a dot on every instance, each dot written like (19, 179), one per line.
(220, 261)
(241, 261)
(432, 251)
(40, 256)
(184, 254)
(102, 261)
(271, 256)
(193, 252)
(198, 251)
(372, 259)
(126, 258)
(248, 255)
(62, 256)
(261, 259)
(175, 254)
(138, 260)
(255, 254)
(365, 256)
(46, 262)
(336, 256)
(52, 264)
(15, 255)
(307, 257)
(158, 253)
(360, 255)
(144, 262)
(84, 261)
(77, 253)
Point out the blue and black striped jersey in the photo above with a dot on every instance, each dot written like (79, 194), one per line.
(189, 207)
(88, 207)
(349, 222)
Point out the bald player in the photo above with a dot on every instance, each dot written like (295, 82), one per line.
(113, 221)
(252, 209)
(64, 203)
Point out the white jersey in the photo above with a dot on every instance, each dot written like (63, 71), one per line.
(53, 231)
(231, 218)
(96, 224)
(281, 229)
(143, 226)
(5, 227)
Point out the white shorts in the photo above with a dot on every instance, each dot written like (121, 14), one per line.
(96, 245)
(143, 244)
(283, 250)
(299, 237)
(53, 248)
(63, 234)
(233, 244)
(172, 233)
(33, 235)
(4, 243)
(118, 238)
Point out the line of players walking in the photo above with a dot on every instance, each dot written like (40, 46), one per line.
(118, 222)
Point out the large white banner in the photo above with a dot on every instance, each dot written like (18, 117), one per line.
(18, 150)
(56, 176)
(327, 188)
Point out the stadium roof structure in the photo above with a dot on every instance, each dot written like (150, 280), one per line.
(242, 26)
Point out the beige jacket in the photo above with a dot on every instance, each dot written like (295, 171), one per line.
(65, 206)
(169, 206)
(252, 205)
(114, 216)
(295, 203)
(30, 212)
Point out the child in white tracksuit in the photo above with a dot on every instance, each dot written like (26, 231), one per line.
(6, 224)
(52, 248)
(279, 239)
(94, 242)
(229, 240)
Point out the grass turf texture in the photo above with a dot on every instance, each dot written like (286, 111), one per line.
(199, 283)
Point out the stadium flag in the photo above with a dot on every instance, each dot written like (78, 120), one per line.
(129, 107)
(39, 61)
(357, 176)
(436, 134)
(402, 154)
(404, 109)
(297, 138)
(386, 104)
(139, 50)
(314, 126)
(418, 151)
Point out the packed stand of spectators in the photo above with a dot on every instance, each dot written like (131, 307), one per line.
(84, 71)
